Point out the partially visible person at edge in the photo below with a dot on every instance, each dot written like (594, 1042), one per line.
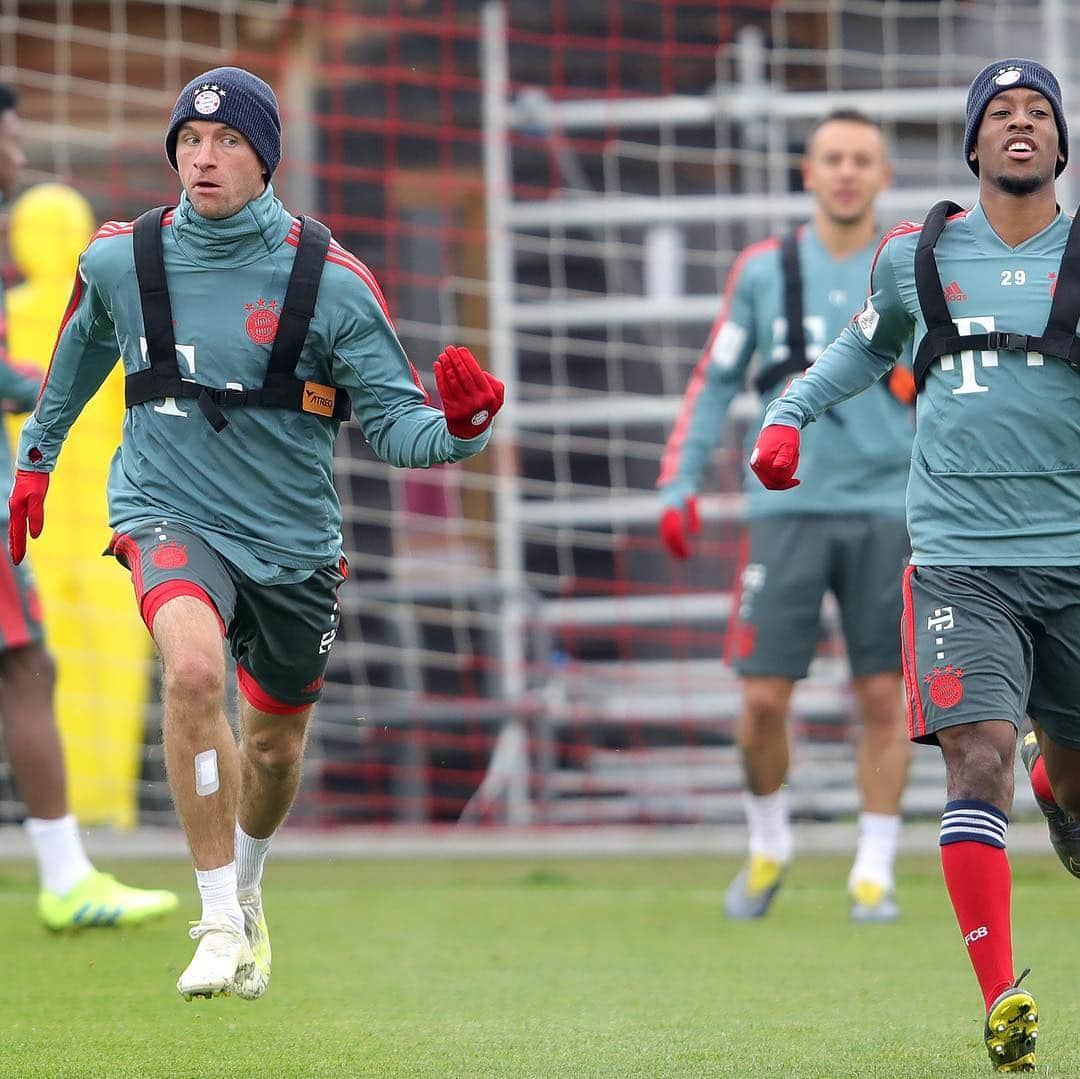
(72, 893)
(843, 531)
(992, 600)
(221, 493)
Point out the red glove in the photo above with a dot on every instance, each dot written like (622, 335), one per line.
(26, 505)
(776, 457)
(902, 385)
(676, 527)
(470, 396)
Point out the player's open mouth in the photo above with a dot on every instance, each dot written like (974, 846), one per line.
(206, 185)
(1020, 149)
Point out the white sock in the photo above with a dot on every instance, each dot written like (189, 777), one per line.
(218, 890)
(879, 836)
(250, 858)
(58, 847)
(769, 821)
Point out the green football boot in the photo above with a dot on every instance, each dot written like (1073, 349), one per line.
(101, 900)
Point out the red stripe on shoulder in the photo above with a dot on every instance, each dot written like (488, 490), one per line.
(905, 228)
(112, 228)
(73, 303)
(669, 462)
(772, 243)
(340, 257)
(744, 256)
(125, 228)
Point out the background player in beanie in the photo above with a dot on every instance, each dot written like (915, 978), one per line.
(992, 601)
(73, 894)
(234, 529)
(846, 521)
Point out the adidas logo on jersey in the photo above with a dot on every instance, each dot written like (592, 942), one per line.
(954, 293)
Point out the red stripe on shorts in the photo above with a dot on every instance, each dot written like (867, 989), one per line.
(13, 625)
(260, 700)
(160, 594)
(128, 551)
(916, 718)
(735, 637)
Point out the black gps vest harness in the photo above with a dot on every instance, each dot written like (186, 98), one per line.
(1059, 339)
(797, 362)
(281, 388)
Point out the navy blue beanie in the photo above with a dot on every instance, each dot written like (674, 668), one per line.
(233, 96)
(1004, 75)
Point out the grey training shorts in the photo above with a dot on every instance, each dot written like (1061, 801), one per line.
(991, 642)
(279, 635)
(791, 562)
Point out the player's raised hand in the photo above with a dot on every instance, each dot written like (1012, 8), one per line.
(470, 396)
(678, 525)
(26, 509)
(775, 457)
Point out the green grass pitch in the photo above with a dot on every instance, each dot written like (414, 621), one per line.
(603, 968)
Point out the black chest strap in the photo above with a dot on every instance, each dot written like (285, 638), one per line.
(1058, 340)
(791, 276)
(281, 388)
(797, 361)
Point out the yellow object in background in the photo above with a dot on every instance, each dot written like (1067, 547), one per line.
(92, 626)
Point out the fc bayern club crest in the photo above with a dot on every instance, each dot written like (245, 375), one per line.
(262, 321)
(170, 555)
(208, 98)
(946, 689)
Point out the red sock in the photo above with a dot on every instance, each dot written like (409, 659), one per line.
(1040, 784)
(979, 881)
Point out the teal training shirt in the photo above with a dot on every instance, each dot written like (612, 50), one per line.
(995, 476)
(261, 491)
(857, 466)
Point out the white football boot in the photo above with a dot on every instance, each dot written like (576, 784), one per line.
(252, 981)
(222, 956)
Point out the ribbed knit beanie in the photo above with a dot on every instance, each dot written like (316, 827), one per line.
(233, 96)
(1004, 75)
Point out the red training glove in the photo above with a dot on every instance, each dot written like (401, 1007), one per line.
(470, 396)
(902, 384)
(26, 506)
(676, 527)
(776, 457)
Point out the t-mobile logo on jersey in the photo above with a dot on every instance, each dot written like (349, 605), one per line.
(987, 357)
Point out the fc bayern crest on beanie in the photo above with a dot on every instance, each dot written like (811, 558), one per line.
(1004, 75)
(233, 96)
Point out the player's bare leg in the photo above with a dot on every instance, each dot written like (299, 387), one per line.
(271, 754)
(882, 757)
(73, 894)
(202, 764)
(763, 742)
(31, 740)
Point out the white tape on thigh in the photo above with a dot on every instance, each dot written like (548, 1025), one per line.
(206, 772)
